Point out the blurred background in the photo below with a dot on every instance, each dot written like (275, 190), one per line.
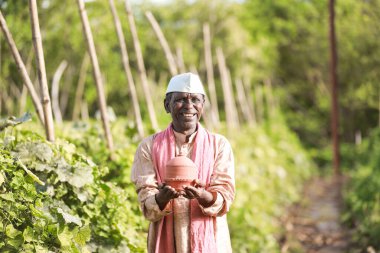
(266, 67)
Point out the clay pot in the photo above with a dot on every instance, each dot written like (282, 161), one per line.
(180, 171)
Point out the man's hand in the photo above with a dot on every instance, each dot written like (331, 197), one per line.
(165, 194)
(198, 191)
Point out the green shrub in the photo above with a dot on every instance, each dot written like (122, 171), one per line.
(53, 198)
(271, 167)
(362, 195)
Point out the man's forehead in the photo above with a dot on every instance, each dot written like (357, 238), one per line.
(185, 94)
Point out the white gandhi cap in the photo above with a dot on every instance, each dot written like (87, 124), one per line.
(187, 82)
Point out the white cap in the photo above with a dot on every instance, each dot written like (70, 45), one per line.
(187, 82)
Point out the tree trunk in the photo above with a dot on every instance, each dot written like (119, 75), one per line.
(97, 74)
(37, 41)
(334, 87)
(55, 91)
(210, 74)
(127, 69)
(22, 69)
(141, 66)
(163, 42)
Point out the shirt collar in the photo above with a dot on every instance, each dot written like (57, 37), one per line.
(182, 138)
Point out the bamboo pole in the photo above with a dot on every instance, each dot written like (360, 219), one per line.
(80, 87)
(229, 106)
(179, 60)
(141, 66)
(22, 69)
(250, 99)
(96, 73)
(41, 70)
(24, 94)
(259, 105)
(66, 89)
(210, 73)
(242, 101)
(271, 105)
(230, 85)
(127, 69)
(84, 111)
(163, 42)
(55, 91)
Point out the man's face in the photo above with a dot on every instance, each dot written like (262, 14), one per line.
(186, 110)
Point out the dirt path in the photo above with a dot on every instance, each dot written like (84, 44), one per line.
(313, 226)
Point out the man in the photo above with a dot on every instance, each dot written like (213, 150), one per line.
(192, 220)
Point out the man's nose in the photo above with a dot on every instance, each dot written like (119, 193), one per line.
(188, 102)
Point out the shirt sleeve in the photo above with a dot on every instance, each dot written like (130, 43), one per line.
(222, 179)
(144, 177)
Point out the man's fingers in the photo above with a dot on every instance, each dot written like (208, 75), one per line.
(197, 183)
(161, 185)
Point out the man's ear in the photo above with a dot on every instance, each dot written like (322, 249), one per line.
(166, 105)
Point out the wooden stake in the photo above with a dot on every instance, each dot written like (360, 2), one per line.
(24, 94)
(37, 41)
(97, 74)
(127, 69)
(234, 107)
(210, 74)
(259, 105)
(163, 42)
(65, 90)
(229, 106)
(271, 104)
(55, 91)
(22, 69)
(248, 92)
(80, 87)
(179, 60)
(141, 66)
(242, 101)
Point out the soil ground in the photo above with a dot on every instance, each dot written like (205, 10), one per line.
(313, 226)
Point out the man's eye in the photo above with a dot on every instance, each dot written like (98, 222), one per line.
(195, 100)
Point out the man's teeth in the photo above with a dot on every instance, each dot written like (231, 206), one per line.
(188, 115)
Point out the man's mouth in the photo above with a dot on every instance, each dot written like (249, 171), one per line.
(188, 115)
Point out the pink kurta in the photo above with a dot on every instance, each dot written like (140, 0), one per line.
(222, 181)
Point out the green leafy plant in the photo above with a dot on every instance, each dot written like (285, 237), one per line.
(53, 198)
(362, 196)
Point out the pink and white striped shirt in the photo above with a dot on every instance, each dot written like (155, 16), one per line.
(222, 181)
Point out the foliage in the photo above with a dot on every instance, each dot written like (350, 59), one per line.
(362, 194)
(297, 44)
(270, 171)
(53, 198)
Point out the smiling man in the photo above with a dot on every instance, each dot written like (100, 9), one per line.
(194, 219)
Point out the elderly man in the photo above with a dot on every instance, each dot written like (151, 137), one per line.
(194, 219)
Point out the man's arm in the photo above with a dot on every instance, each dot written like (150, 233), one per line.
(222, 179)
(144, 177)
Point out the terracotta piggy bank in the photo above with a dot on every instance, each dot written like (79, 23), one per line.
(180, 171)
